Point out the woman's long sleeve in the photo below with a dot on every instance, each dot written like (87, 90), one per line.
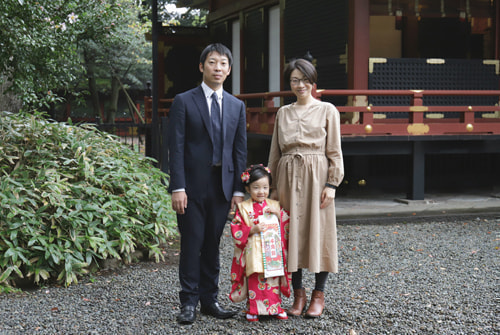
(333, 148)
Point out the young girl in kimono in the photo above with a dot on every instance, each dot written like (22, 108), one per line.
(248, 277)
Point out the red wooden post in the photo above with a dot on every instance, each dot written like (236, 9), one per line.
(468, 116)
(417, 109)
(366, 117)
(268, 108)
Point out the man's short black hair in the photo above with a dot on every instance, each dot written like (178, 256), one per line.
(221, 49)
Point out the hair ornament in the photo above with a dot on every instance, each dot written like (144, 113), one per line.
(261, 165)
(245, 176)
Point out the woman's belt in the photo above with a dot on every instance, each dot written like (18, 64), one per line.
(298, 158)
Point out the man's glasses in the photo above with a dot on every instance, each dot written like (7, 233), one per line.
(296, 81)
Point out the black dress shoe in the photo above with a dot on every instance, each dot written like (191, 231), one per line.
(187, 315)
(216, 311)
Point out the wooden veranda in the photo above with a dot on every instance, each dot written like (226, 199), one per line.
(415, 129)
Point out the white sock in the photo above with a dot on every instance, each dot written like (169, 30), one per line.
(252, 317)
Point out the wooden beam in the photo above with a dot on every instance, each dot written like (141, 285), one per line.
(232, 9)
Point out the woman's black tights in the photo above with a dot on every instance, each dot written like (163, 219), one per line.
(319, 285)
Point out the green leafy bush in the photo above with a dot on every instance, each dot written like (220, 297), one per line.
(71, 196)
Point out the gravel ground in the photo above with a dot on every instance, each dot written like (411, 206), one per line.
(434, 277)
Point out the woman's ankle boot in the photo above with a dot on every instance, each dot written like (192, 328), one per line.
(299, 302)
(317, 304)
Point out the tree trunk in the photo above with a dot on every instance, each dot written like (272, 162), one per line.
(94, 95)
(115, 92)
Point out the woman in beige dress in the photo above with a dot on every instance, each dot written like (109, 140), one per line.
(307, 166)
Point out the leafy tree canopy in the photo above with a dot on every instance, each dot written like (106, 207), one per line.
(42, 42)
(171, 15)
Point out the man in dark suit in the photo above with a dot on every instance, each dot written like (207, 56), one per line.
(208, 149)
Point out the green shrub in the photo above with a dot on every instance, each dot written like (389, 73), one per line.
(71, 196)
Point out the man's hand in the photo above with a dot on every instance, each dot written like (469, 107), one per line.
(327, 197)
(236, 200)
(179, 201)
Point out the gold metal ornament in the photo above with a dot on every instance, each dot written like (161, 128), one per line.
(418, 129)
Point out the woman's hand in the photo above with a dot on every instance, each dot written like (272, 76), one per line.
(327, 197)
(274, 195)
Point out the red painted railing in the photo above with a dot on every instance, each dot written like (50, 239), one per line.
(419, 119)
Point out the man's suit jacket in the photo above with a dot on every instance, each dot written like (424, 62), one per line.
(191, 148)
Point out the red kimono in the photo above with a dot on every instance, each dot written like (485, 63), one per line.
(247, 275)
